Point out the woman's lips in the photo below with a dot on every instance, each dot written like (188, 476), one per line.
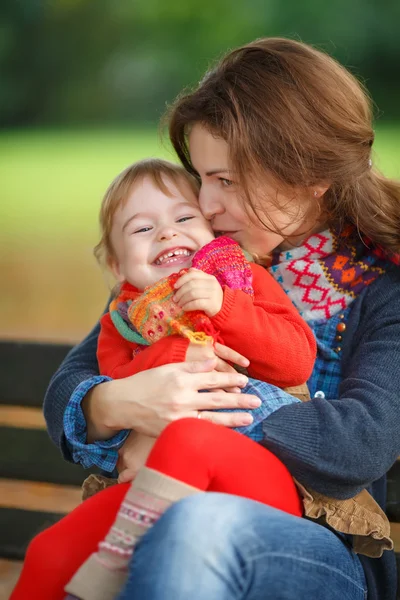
(230, 234)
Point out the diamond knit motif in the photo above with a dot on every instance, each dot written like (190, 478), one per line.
(308, 277)
(324, 275)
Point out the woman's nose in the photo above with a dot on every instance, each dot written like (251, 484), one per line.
(209, 203)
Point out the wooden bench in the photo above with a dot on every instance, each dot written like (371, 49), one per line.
(37, 487)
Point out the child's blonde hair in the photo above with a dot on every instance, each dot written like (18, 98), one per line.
(158, 171)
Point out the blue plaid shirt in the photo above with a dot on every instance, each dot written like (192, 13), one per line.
(324, 383)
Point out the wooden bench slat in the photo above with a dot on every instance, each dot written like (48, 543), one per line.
(30, 495)
(18, 416)
(30, 455)
(9, 573)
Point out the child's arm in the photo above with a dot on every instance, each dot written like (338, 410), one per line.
(118, 358)
(268, 331)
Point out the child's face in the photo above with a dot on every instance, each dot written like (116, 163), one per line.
(154, 235)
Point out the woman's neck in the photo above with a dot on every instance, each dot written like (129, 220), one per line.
(298, 239)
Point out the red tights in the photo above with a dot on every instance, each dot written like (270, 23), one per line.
(209, 457)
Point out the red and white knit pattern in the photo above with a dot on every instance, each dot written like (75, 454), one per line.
(133, 516)
(324, 275)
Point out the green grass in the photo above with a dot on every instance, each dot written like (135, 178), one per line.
(52, 182)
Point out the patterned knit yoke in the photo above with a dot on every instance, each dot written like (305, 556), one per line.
(147, 317)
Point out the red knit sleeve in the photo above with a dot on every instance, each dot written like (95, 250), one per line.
(268, 331)
(119, 358)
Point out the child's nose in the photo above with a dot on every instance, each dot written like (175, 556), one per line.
(167, 233)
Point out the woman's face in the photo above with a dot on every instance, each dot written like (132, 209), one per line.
(221, 202)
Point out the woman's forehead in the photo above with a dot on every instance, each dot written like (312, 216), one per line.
(207, 151)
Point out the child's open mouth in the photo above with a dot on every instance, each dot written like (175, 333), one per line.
(175, 256)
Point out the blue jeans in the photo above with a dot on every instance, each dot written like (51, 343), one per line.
(219, 547)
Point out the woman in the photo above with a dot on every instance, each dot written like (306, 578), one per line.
(280, 136)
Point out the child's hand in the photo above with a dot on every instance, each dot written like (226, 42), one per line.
(133, 455)
(199, 291)
(199, 352)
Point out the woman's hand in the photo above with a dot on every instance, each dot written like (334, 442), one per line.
(148, 401)
(133, 455)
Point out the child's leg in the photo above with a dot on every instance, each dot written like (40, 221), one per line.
(55, 554)
(190, 455)
(216, 459)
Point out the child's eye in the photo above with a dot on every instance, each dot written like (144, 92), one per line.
(183, 219)
(225, 182)
(142, 230)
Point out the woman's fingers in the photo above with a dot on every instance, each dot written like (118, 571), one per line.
(214, 400)
(238, 419)
(227, 354)
(215, 379)
(223, 366)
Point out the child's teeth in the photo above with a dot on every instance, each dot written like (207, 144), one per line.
(167, 255)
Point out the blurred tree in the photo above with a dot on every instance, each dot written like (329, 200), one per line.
(104, 61)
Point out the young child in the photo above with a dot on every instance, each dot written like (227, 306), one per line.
(152, 228)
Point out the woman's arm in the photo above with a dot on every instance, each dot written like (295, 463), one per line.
(78, 366)
(339, 447)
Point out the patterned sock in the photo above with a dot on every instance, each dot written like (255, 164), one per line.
(102, 576)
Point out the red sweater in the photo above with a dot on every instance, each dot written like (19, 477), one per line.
(267, 330)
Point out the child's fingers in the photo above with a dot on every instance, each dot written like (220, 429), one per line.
(195, 305)
(126, 475)
(188, 293)
(223, 366)
(227, 354)
(190, 276)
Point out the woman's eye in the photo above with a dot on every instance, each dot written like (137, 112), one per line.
(183, 219)
(142, 230)
(225, 182)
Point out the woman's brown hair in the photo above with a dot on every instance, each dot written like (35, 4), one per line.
(291, 111)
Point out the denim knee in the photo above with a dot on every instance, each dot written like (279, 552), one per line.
(197, 515)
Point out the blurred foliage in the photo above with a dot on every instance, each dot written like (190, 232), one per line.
(110, 61)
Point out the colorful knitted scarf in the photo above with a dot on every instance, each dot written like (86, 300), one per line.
(146, 317)
(328, 271)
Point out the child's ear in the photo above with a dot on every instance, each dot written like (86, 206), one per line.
(114, 267)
